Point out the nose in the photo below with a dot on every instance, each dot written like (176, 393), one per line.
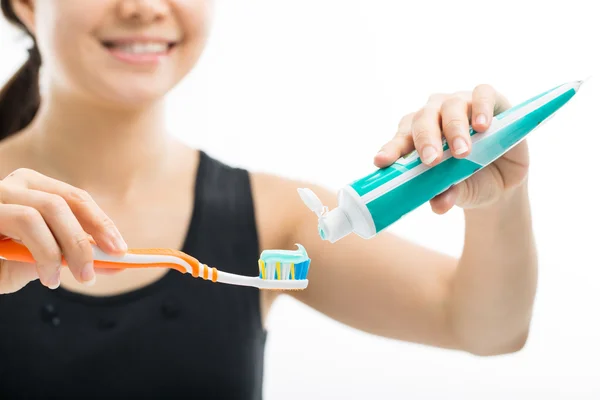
(143, 10)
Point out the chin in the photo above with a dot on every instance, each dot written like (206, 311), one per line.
(126, 92)
(135, 95)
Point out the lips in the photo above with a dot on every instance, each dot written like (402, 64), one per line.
(140, 47)
(135, 51)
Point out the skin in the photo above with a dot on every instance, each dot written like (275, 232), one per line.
(53, 197)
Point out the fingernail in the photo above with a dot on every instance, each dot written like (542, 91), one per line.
(481, 119)
(88, 275)
(54, 281)
(428, 154)
(460, 145)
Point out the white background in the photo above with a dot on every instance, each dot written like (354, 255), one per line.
(311, 89)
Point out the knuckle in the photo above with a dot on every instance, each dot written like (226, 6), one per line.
(81, 248)
(82, 242)
(454, 102)
(454, 126)
(484, 100)
(22, 174)
(6, 189)
(80, 195)
(420, 114)
(55, 204)
(28, 217)
(420, 134)
(466, 193)
(50, 259)
(104, 223)
(402, 135)
(431, 110)
(473, 193)
(54, 256)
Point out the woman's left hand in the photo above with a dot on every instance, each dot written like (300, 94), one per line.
(449, 116)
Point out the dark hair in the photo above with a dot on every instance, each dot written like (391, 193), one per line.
(20, 97)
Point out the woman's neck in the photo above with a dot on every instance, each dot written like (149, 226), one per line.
(93, 146)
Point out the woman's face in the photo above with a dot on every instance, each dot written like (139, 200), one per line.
(127, 52)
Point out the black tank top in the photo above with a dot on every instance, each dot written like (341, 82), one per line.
(180, 337)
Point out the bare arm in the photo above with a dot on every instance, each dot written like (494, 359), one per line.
(388, 286)
(494, 286)
(391, 287)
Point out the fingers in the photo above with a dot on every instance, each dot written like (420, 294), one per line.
(27, 225)
(457, 195)
(401, 144)
(427, 134)
(15, 275)
(54, 219)
(92, 219)
(455, 125)
(66, 229)
(449, 117)
(486, 102)
(95, 221)
(443, 202)
(483, 103)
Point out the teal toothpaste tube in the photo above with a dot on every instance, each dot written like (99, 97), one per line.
(372, 203)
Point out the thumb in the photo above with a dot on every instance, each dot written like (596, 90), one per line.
(465, 194)
(460, 194)
(481, 189)
(15, 275)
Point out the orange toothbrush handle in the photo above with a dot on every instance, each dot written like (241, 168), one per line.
(152, 258)
(14, 251)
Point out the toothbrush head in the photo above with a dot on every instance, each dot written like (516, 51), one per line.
(286, 269)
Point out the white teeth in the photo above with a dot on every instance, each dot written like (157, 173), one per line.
(143, 48)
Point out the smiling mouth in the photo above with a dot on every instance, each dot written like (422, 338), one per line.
(141, 48)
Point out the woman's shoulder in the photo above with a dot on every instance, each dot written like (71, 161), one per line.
(279, 209)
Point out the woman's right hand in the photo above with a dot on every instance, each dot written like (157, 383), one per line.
(52, 219)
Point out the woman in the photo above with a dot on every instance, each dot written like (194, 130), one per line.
(93, 157)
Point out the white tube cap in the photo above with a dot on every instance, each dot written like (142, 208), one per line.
(334, 225)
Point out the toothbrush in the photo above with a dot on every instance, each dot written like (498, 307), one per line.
(278, 269)
(372, 203)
